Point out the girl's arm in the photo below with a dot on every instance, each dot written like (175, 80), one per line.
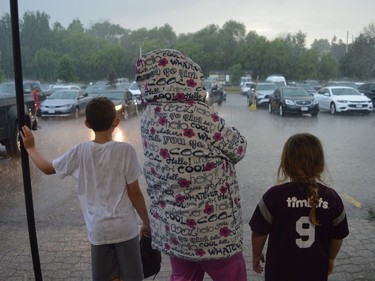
(258, 241)
(334, 248)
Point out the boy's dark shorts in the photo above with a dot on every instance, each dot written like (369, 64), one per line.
(120, 260)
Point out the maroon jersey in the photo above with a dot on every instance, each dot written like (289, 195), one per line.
(297, 250)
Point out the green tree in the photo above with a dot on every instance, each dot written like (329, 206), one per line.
(2, 76)
(254, 55)
(35, 34)
(76, 26)
(66, 69)
(309, 64)
(108, 31)
(6, 51)
(45, 64)
(322, 45)
(327, 67)
(236, 74)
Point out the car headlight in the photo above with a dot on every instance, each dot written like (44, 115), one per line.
(289, 102)
(342, 101)
(118, 107)
(315, 102)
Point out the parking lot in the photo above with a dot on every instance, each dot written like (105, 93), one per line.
(348, 141)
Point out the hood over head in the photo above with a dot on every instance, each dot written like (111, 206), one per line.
(167, 75)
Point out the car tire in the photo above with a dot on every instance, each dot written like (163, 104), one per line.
(270, 108)
(332, 109)
(281, 111)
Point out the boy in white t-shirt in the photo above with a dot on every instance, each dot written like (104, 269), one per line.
(107, 174)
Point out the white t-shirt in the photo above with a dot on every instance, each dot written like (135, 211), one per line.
(102, 172)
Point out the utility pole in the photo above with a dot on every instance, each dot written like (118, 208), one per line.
(347, 42)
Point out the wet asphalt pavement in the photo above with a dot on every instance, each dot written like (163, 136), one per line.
(348, 141)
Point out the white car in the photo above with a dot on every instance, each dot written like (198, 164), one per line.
(246, 87)
(343, 99)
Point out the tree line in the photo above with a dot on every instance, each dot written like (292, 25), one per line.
(51, 52)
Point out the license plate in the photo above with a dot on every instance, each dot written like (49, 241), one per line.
(51, 111)
(304, 108)
(358, 106)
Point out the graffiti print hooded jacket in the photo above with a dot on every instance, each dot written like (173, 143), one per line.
(189, 161)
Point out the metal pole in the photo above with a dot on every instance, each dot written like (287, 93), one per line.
(24, 155)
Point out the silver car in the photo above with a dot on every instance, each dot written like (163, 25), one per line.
(64, 103)
(263, 92)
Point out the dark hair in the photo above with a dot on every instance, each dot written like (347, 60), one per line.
(100, 113)
(302, 160)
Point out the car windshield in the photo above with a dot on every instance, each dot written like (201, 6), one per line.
(7, 88)
(207, 85)
(306, 87)
(266, 87)
(63, 95)
(95, 88)
(295, 92)
(133, 86)
(113, 95)
(345, 92)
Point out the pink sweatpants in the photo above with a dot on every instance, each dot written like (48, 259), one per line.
(230, 269)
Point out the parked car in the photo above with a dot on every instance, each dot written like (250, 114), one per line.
(63, 103)
(125, 103)
(368, 89)
(215, 93)
(309, 88)
(28, 86)
(47, 88)
(279, 80)
(244, 80)
(136, 92)
(314, 83)
(263, 92)
(95, 90)
(9, 136)
(343, 99)
(65, 87)
(340, 83)
(246, 87)
(294, 100)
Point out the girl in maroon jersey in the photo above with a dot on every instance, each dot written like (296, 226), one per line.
(303, 219)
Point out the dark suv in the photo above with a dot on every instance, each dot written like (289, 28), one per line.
(215, 92)
(9, 118)
(368, 89)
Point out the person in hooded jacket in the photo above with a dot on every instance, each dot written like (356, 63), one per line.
(189, 165)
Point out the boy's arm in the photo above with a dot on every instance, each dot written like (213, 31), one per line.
(29, 143)
(136, 197)
(334, 248)
(258, 241)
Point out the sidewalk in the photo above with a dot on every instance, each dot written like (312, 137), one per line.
(65, 253)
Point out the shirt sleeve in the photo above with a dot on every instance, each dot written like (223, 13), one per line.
(66, 164)
(261, 220)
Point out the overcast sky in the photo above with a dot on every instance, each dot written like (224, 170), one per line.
(319, 19)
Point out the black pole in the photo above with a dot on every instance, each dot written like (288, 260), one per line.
(24, 157)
